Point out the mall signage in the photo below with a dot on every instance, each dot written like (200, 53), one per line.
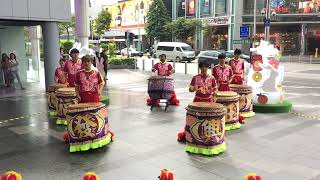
(224, 20)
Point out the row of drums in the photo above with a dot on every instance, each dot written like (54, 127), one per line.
(206, 123)
(87, 123)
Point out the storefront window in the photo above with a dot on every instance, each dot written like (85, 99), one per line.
(217, 38)
(221, 7)
(205, 7)
(284, 6)
(181, 8)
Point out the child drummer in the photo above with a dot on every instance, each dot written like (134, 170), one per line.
(88, 82)
(164, 69)
(203, 84)
(60, 75)
(71, 67)
(223, 73)
(205, 87)
(237, 65)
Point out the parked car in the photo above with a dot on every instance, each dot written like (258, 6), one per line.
(211, 56)
(175, 51)
(230, 55)
(132, 52)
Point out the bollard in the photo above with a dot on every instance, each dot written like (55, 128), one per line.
(152, 63)
(185, 68)
(174, 64)
(289, 58)
(135, 64)
(198, 68)
(300, 58)
(143, 64)
(310, 58)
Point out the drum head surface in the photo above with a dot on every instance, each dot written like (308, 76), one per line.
(205, 107)
(67, 89)
(226, 94)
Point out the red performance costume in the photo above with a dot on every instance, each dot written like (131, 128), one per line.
(206, 85)
(60, 76)
(88, 83)
(237, 66)
(223, 76)
(71, 68)
(165, 69)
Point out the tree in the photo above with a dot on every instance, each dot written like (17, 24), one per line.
(102, 22)
(183, 28)
(157, 19)
(66, 26)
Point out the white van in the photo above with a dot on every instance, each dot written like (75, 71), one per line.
(175, 51)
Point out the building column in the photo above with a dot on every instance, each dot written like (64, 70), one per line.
(34, 35)
(50, 35)
(82, 21)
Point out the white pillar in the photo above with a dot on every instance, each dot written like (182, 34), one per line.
(82, 21)
(51, 50)
(34, 35)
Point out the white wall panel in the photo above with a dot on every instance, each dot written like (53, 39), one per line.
(39, 9)
(6, 8)
(20, 8)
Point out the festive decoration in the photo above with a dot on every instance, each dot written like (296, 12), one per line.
(252, 176)
(266, 77)
(66, 137)
(11, 175)
(181, 136)
(166, 175)
(90, 176)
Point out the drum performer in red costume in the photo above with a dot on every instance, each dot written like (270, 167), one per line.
(71, 67)
(88, 82)
(237, 65)
(223, 74)
(60, 75)
(164, 69)
(205, 87)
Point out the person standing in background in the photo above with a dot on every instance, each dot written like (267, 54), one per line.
(13, 68)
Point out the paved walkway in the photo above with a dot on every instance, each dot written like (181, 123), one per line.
(276, 146)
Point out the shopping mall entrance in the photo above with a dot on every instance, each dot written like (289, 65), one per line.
(216, 38)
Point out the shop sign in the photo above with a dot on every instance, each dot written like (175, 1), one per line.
(241, 41)
(224, 20)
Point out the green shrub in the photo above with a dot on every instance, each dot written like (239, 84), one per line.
(112, 47)
(104, 46)
(121, 61)
(66, 45)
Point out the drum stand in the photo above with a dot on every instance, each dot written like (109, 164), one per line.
(162, 101)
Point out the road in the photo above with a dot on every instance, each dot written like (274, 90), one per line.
(275, 146)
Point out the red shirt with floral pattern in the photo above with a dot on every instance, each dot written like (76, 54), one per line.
(60, 76)
(72, 68)
(205, 84)
(88, 81)
(164, 69)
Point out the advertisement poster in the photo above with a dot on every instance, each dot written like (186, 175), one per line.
(128, 14)
(192, 7)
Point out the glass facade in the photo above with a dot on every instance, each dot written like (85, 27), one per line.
(221, 7)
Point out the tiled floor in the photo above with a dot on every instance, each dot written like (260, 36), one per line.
(275, 146)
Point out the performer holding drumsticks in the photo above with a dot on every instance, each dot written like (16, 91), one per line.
(223, 74)
(164, 69)
(204, 85)
(237, 65)
(88, 82)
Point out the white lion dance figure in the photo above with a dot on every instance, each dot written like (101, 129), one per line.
(266, 75)
(85, 50)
